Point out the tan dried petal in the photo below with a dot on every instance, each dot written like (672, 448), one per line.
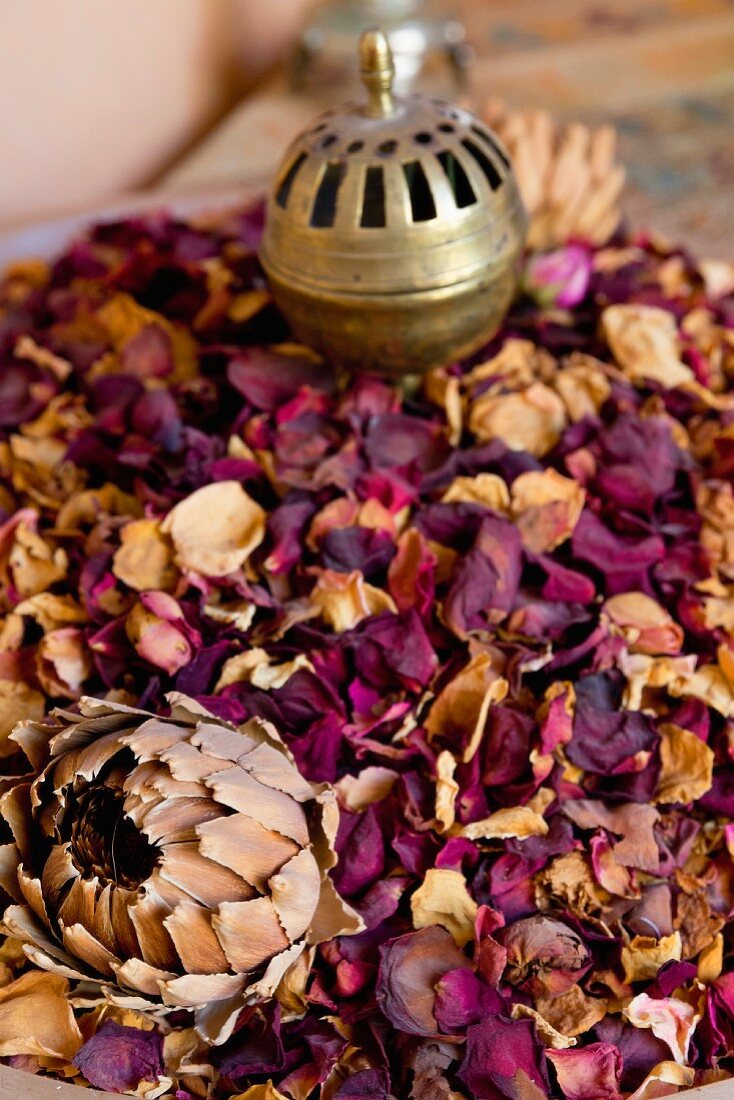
(51, 611)
(713, 684)
(573, 1012)
(546, 508)
(373, 784)
(34, 563)
(518, 822)
(144, 559)
(531, 420)
(660, 1077)
(443, 899)
(647, 627)
(567, 175)
(215, 529)
(546, 1032)
(487, 489)
(64, 662)
(711, 960)
(517, 364)
(88, 507)
(36, 1018)
(644, 342)
(19, 702)
(460, 711)
(124, 318)
(345, 599)
(582, 386)
(569, 883)
(686, 765)
(443, 390)
(446, 791)
(267, 1091)
(643, 956)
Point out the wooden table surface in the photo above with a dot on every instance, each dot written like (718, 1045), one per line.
(661, 70)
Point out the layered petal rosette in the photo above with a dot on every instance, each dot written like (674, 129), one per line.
(177, 862)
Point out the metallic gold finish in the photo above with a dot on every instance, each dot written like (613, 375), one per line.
(393, 230)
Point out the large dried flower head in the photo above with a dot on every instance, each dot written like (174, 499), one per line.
(178, 862)
(568, 176)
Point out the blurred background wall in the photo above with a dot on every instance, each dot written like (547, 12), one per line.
(97, 96)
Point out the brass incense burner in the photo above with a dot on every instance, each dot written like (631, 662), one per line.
(393, 229)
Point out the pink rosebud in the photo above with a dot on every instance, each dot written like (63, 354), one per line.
(559, 278)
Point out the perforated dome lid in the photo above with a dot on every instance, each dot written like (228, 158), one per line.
(396, 178)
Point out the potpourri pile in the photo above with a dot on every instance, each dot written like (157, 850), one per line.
(494, 610)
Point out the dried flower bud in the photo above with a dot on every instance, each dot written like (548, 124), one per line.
(179, 860)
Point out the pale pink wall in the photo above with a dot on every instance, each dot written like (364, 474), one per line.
(97, 95)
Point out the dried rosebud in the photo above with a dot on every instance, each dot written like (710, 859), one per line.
(544, 956)
(559, 278)
(181, 859)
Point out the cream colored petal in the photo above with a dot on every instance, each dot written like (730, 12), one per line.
(249, 932)
(193, 990)
(190, 928)
(333, 917)
(446, 790)
(215, 529)
(43, 961)
(444, 899)
(143, 978)
(203, 880)
(247, 848)
(216, 1020)
(371, 784)
(295, 892)
(269, 808)
(275, 971)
